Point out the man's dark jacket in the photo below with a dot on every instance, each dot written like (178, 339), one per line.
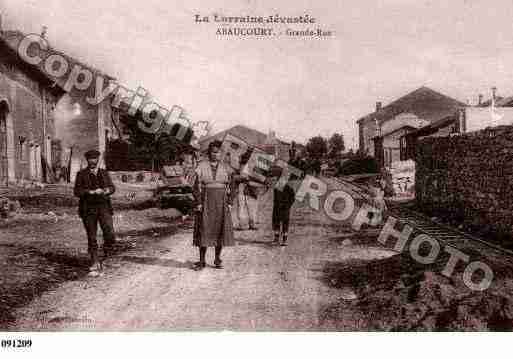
(85, 182)
(285, 197)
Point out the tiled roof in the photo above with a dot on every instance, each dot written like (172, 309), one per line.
(249, 135)
(424, 102)
(434, 126)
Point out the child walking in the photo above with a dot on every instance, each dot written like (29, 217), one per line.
(282, 202)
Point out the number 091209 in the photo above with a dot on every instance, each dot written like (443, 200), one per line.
(16, 343)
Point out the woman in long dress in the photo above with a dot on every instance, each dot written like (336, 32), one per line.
(213, 196)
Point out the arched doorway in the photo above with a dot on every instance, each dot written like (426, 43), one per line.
(4, 164)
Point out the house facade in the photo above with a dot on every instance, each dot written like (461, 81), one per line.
(45, 130)
(468, 119)
(380, 132)
(27, 129)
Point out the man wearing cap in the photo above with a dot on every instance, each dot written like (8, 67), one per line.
(94, 187)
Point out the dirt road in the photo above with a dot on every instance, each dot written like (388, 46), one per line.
(330, 277)
(262, 287)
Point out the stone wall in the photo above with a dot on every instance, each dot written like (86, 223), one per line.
(25, 120)
(30, 106)
(468, 180)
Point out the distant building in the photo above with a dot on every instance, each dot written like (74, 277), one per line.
(268, 143)
(380, 132)
(496, 100)
(498, 111)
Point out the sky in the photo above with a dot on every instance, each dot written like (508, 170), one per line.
(298, 87)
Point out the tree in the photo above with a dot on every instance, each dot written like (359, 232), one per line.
(357, 163)
(149, 151)
(317, 147)
(336, 145)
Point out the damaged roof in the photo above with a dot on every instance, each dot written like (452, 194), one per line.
(12, 38)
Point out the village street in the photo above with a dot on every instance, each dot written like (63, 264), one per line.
(263, 286)
(330, 277)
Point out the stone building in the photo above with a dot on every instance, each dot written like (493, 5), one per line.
(269, 143)
(380, 132)
(45, 125)
(497, 111)
(27, 101)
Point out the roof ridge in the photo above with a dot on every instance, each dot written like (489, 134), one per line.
(14, 35)
(411, 93)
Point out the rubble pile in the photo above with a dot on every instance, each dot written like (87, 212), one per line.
(435, 303)
(467, 180)
(431, 302)
(398, 294)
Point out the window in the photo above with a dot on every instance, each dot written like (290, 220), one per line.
(402, 150)
(22, 154)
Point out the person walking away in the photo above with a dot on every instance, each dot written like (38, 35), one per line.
(237, 187)
(378, 193)
(243, 207)
(248, 202)
(236, 209)
(251, 192)
(94, 187)
(213, 196)
(282, 202)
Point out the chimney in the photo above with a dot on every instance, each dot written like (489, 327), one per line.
(378, 128)
(43, 31)
(378, 106)
(494, 93)
(480, 99)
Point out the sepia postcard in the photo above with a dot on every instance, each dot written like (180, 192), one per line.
(292, 166)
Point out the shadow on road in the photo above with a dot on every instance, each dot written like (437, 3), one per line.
(267, 243)
(156, 232)
(171, 263)
(134, 205)
(31, 272)
(364, 237)
(361, 274)
(187, 223)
